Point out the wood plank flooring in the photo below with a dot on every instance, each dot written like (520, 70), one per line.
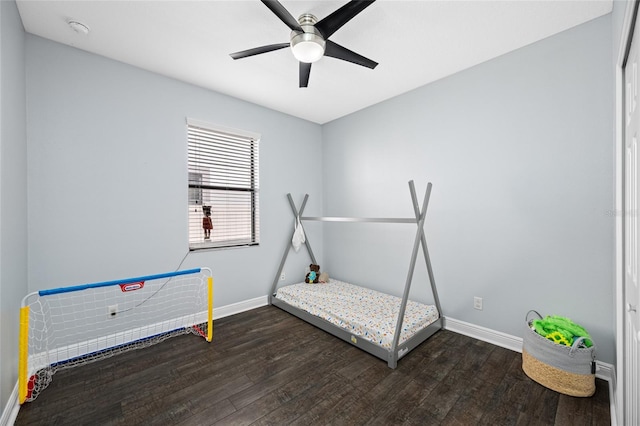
(266, 367)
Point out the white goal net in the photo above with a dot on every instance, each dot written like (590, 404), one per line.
(68, 326)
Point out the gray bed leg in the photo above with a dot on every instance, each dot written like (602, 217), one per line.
(296, 215)
(412, 266)
(425, 249)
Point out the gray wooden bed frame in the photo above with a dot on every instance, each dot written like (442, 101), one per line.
(397, 350)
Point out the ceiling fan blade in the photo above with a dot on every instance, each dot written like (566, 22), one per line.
(337, 19)
(279, 10)
(334, 50)
(305, 70)
(258, 50)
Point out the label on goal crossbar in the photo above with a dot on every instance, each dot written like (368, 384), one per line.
(131, 286)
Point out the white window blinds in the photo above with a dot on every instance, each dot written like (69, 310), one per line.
(223, 186)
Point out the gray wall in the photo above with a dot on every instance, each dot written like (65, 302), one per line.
(520, 152)
(617, 18)
(107, 187)
(13, 188)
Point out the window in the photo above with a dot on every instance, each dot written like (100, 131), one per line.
(223, 186)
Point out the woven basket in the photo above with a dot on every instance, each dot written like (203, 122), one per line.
(566, 369)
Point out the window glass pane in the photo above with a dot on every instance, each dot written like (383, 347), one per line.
(223, 188)
(195, 193)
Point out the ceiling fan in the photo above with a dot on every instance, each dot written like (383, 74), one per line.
(309, 38)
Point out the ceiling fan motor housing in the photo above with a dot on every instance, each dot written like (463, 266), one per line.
(307, 46)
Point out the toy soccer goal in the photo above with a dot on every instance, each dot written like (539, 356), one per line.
(69, 326)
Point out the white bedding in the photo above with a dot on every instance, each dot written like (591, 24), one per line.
(363, 312)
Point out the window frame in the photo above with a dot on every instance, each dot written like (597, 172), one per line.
(250, 139)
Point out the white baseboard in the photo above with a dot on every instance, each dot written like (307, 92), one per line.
(607, 372)
(237, 308)
(10, 412)
(604, 370)
(494, 337)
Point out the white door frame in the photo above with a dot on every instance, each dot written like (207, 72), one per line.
(617, 404)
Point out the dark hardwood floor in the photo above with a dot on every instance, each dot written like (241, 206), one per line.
(268, 367)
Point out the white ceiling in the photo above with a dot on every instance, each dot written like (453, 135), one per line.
(415, 42)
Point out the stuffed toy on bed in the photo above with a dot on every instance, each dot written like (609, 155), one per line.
(313, 276)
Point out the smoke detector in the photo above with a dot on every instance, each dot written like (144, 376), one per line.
(78, 27)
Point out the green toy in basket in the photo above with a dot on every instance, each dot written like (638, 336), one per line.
(561, 330)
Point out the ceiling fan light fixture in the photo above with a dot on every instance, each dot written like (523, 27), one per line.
(308, 44)
(307, 47)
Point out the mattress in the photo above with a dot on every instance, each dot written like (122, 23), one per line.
(363, 312)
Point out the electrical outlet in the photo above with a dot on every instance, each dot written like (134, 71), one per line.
(477, 303)
(113, 310)
(282, 276)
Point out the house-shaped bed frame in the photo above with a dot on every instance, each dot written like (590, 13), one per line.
(397, 350)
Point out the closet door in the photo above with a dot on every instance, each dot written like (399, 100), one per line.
(632, 188)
